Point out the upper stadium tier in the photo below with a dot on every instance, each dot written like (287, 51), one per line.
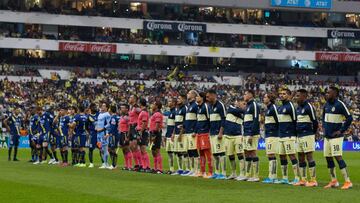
(268, 15)
(170, 26)
(187, 30)
(305, 5)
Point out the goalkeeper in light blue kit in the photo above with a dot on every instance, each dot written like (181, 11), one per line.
(102, 139)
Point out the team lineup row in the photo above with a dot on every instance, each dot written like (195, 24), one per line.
(199, 131)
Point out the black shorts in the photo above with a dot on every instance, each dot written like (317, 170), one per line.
(156, 137)
(124, 139)
(144, 138)
(133, 133)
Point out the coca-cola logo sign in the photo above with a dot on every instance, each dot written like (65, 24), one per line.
(87, 47)
(327, 56)
(174, 27)
(342, 57)
(351, 57)
(73, 47)
(103, 48)
(344, 34)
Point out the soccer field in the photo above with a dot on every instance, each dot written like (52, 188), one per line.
(24, 182)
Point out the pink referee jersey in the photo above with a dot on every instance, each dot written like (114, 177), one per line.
(143, 117)
(133, 115)
(124, 124)
(157, 117)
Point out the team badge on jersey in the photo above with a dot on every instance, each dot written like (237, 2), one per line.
(333, 109)
(284, 110)
(303, 111)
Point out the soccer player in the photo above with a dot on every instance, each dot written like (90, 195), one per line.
(53, 137)
(74, 142)
(202, 130)
(124, 136)
(234, 138)
(63, 121)
(336, 121)
(287, 136)
(271, 135)
(79, 124)
(102, 139)
(133, 118)
(156, 125)
(179, 140)
(92, 119)
(252, 135)
(143, 135)
(38, 129)
(114, 136)
(170, 125)
(217, 120)
(190, 136)
(46, 120)
(13, 124)
(306, 128)
(34, 134)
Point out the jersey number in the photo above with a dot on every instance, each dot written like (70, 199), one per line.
(336, 148)
(288, 147)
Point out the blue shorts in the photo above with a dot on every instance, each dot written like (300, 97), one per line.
(43, 138)
(63, 141)
(114, 141)
(82, 140)
(33, 138)
(55, 140)
(14, 140)
(92, 141)
(75, 141)
(79, 140)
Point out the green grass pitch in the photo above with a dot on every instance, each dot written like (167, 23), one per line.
(24, 182)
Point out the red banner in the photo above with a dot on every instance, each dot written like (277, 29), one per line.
(87, 47)
(342, 57)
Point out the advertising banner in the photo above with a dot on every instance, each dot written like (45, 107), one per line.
(87, 47)
(343, 34)
(315, 4)
(174, 27)
(337, 56)
(319, 146)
